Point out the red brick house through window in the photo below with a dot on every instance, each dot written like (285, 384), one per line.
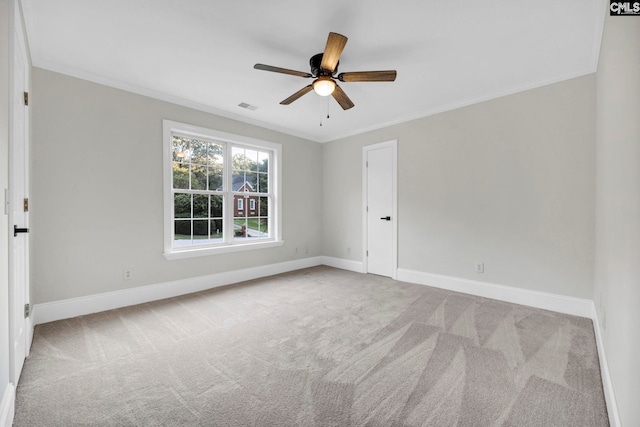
(244, 206)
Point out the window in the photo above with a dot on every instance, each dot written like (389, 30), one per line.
(211, 178)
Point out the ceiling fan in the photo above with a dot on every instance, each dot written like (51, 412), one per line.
(324, 67)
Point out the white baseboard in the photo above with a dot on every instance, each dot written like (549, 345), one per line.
(8, 406)
(30, 330)
(607, 385)
(559, 303)
(343, 264)
(73, 307)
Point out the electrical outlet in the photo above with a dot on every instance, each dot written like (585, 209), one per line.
(348, 251)
(296, 250)
(306, 251)
(479, 267)
(127, 274)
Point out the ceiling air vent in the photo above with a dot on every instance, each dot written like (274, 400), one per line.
(247, 106)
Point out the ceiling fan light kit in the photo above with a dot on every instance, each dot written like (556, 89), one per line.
(324, 67)
(324, 86)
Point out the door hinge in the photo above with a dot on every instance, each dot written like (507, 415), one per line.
(367, 163)
(26, 204)
(367, 253)
(26, 98)
(27, 310)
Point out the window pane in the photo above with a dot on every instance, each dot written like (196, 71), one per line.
(263, 206)
(264, 226)
(180, 149)
(239, 228)
(215, 155)
(200, 206)
(263, 162)
(200, 229)
(182, 232)
(182, 206)
(263, 183)
(198, 152)
(238, 180)
(215, 230)
(216, 207)
(239, 159)
(251, 181)
(198, 177)
(252, 159)
(215, 179)
(180, 175)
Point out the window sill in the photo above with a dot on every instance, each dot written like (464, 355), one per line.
(192, 253)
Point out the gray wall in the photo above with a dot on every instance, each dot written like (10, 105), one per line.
(97, 197)
(617, 289)
(4, 183)
(508, 182)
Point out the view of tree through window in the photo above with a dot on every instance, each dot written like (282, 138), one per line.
(202, 199)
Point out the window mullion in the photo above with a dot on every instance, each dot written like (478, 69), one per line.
(228, 195)
(271, 199)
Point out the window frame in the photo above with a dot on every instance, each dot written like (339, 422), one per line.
(228, 140)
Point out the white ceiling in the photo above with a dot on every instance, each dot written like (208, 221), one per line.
(200, 53)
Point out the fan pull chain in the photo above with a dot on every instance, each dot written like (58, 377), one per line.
(327, 98)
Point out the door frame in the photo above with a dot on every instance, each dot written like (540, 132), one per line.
(394, 210)
(17, 41)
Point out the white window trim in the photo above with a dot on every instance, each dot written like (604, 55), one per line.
(169, 127)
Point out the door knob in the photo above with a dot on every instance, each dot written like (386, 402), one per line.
(386, 218)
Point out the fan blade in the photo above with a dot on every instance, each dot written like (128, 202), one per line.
(297, 95)
(332, 52)
(368, 76)
(342, 98)
(281, 70)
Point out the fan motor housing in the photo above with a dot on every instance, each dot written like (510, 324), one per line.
(316, 70)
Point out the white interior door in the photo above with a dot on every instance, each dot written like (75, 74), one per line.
(18, 205)
(380, 209)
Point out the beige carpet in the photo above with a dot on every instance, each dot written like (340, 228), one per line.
(316, 347)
